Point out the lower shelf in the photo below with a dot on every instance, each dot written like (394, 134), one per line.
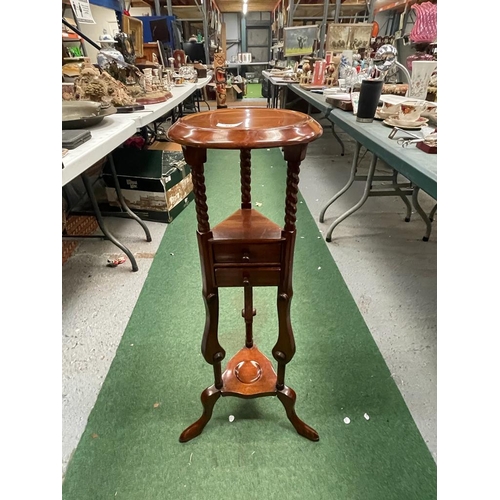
(249, 374)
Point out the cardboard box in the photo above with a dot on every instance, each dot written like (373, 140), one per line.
(232, 92)
(165, 146)
(156, 183)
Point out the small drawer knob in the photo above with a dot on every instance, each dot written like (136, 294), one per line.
(246, 256)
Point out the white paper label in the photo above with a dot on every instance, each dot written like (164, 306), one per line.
(82, 11)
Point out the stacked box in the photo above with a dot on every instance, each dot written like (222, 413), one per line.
(155, 183)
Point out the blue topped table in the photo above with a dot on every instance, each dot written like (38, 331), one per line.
(418, 167)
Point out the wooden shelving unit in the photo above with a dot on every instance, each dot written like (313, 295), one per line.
(68, 36)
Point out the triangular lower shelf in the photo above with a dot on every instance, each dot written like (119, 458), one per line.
(249, 374)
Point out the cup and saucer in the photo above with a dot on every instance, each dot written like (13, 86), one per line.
(430, 112)
(409, 116)
(407, 124)
(387, 110)
(380, 114)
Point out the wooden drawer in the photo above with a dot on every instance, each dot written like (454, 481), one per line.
(257, 276)
(251, 253)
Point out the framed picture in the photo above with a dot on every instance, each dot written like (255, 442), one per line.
(159, 30)
(133, 28)
(337, 37)
(299, 40)
(361, 36)
(348, 36)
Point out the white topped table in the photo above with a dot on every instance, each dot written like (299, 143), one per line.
(106, 136)
(153, 112)
(275, 84)
(113, 131)
(117, 128)
(203, 82)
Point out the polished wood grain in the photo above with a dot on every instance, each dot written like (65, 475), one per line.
(261, 276)
(247, 225)
(247, 250)
(249, 374)
(245, 128)
(247, 253)
(208, 399)
(246, 178)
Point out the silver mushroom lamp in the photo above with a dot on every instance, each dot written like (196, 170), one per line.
(385, 58)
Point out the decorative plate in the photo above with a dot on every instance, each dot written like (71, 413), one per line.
(390, 123)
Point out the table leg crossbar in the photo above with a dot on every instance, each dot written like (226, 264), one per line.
(335, 135)
(100, 220)
(403, 190)
(427, 219)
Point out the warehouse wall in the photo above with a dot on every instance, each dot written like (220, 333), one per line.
(105, 19)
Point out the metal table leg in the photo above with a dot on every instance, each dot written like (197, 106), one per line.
(401, 195)
(197, 99)
(433, 213)
(368, 184)
(121, 199)
(354, 168)
(422, 214)
(100, 221)
(339, 140)
(283, 96)
(204, 97)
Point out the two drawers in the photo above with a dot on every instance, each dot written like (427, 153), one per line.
(237, 262)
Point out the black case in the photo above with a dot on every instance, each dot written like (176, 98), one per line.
(71, 139)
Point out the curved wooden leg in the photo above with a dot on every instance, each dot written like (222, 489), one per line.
(208, 399)
(287, 397)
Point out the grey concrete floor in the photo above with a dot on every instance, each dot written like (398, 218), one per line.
(389, 270)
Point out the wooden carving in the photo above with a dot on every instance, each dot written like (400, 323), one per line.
(220, 78)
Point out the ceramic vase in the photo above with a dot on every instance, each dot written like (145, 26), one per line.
(419, 56)
(420, 76)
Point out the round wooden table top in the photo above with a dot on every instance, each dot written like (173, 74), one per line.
(238, 128)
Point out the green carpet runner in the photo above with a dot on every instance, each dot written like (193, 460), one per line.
(130, 447)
